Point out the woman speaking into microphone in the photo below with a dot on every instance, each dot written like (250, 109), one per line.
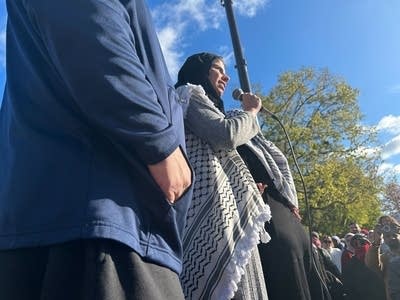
(227, 211)
(227, 214)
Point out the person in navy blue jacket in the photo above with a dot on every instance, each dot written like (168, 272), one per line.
(94, 180)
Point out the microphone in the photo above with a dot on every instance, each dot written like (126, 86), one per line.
(237, 94)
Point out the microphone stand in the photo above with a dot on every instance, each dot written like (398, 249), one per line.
(245, 86)
(237, 48)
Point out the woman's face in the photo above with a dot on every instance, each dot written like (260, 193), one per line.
(217, 76)
(327, 242)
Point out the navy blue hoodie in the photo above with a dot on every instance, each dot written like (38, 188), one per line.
(88, 104)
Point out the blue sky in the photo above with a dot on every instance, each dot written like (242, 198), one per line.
(358, 40)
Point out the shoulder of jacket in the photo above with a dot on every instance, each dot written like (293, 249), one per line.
(186, 91)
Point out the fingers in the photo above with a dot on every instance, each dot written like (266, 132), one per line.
(261, 187)
(173, 175)
(251, 103)
(295, 211)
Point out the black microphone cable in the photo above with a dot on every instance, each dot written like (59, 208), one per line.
(237, 95)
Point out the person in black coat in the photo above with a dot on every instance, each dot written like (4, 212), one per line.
(288, 261)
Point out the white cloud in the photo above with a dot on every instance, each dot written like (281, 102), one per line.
(368, 152)
(182, 12)
(396, 169)
(389, 168)
(390, 124)
(175, 19)
(384, 167)
(249, 7)
(389, 128)
(169, 38)
(391, 148)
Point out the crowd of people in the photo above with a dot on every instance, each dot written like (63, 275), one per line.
(365, 261)
(117, 184)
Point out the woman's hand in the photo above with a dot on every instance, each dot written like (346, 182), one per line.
(251, 103)
(295, 211)
(261, 187)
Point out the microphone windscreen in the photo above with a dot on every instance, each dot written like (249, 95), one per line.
(237, 94)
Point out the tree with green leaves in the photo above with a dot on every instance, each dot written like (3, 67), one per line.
(322, 117)
(391, 199)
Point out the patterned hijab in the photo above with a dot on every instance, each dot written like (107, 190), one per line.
(195, 70)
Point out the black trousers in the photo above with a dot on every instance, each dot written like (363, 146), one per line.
(97, 269)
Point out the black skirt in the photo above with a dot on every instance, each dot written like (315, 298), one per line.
(286, 258)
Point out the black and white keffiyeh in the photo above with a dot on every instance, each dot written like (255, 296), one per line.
(224, 222)
(274, 162)
(227, 214)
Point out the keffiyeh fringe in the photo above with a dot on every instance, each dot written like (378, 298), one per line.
(224, 224)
